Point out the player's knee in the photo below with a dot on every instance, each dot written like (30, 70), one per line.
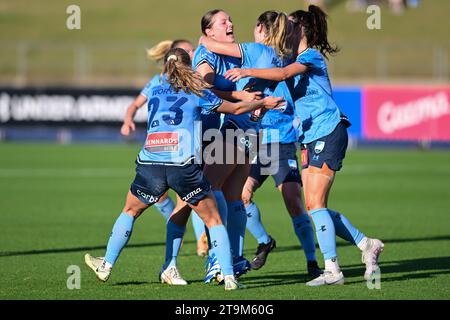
(133, 211)
(313, 204)
(246, 199)
(212, 220)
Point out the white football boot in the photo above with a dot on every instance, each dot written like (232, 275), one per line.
(98, 266)
(232, 284)
(327, 278)
(172, 276)
(370, 257)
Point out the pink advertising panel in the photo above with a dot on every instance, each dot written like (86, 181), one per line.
(406, 113)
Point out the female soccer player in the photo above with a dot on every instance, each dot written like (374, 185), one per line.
(279, 136)
(217, 24)
(323, 134)
(169, 160)
(165, 205)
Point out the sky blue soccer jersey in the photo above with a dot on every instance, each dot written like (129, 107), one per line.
(173, 130)
(220, 64)
(153, 82)
(314, 105)
(277, 126)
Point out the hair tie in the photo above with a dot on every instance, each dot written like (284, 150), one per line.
(172, 57)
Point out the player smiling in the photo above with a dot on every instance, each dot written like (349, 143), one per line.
(160, 166)
(323, 134)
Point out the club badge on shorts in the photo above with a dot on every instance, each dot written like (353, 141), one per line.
(319, 146)
(292, 164)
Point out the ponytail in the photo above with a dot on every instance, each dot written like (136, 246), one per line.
(320, 26)
(177, 68)
(276, 28)
(158, 51)
(315, 26)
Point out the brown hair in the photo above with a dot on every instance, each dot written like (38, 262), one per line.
(206, 22)
(275, 26)
(177, 67)
(314, 24)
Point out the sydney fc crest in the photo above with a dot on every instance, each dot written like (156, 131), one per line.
(319, 146)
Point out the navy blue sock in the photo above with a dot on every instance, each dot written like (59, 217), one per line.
(174, 238)
(304, 231)
(344, 229)
(237, 221)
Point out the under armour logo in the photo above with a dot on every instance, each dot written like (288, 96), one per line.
(322, 228)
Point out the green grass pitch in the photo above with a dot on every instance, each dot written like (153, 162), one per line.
(58, 202)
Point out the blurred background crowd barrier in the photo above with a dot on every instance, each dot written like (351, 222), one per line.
(67, 85)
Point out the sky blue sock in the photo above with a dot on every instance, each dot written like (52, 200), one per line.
(198, 225)
(165, 208)
(174, 237)
(221, 206)
(237, 221)
(326, 235)
(304, 231)
(120, 235)
(221, 248)
(254, 224)
(223, 213)
(344, 229)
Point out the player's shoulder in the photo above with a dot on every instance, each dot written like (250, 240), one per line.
(311, 57)
(255, 48)
(202, 55)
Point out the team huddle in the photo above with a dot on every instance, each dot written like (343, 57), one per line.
(221, 120)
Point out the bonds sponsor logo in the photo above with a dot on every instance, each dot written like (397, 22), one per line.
(319, 146)
(148, 197)
(192, 194)
(393, 117)
(162, 142)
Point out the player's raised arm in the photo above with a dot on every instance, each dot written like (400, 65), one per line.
(275, 74)
(243, 107)
(208, 75)
(219, 47)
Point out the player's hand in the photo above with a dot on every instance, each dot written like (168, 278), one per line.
(127, 128)
(247, 96)
(274, 103)
(236, 74)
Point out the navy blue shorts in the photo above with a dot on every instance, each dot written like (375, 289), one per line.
(329, 149)
(283, 168)
(246, 143)
(152, 181)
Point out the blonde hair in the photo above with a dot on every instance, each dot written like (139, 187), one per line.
(177, 68)
(158, 51)
(276, 28)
